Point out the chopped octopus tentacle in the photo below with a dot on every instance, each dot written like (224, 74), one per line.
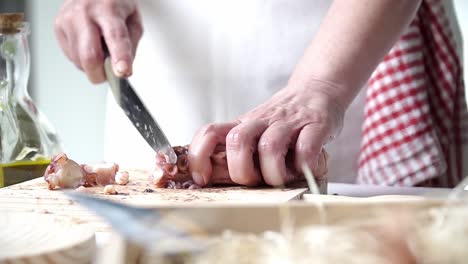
(122, 177)
(166, 175)
(100, 174)
(63, 172)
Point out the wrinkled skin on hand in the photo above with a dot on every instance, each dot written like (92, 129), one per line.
(80, 26)
(63, 172)
(270, 143)
(178, 176)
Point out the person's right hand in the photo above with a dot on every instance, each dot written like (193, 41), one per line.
(80, 26)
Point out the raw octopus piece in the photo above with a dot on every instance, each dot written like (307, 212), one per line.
(63, 172)
(173, 176)
(99, 174)
(109, 190)
(177, 176)
(121, 177)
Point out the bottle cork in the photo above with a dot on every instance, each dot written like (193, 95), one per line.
(11, 23)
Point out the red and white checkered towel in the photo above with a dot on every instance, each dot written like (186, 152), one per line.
(416, 119)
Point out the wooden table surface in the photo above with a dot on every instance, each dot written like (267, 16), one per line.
(33, 196)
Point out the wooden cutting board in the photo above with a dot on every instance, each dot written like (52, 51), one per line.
(33, 196)
(32, 238)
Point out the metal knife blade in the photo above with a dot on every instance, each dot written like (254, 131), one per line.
(138, 114)
(147, 227)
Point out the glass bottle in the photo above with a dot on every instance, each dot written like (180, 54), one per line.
(27, 140)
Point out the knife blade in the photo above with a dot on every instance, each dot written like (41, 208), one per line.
(147, 227)
(135, 110)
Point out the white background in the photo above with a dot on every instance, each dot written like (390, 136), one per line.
(73, 105)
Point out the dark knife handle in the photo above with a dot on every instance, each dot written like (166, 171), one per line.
(105, 49)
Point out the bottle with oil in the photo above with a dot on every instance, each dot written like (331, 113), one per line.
(27, 141)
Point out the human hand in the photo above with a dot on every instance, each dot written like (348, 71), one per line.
(80, 24)
(270, 143)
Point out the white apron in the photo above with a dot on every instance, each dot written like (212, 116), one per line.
(210, 61)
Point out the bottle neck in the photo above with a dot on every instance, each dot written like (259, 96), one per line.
(14, 66)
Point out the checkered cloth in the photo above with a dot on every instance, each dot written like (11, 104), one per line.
(416, 119)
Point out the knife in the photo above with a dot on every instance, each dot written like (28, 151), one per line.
(166, 232)
(135, 110)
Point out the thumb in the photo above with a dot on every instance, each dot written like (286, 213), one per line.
(309, 149)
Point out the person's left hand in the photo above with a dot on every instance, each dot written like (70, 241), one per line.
(270, 143)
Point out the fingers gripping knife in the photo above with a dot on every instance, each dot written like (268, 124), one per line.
(136, 111)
